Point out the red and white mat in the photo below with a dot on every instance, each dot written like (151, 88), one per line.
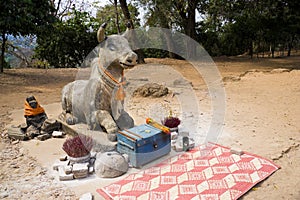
(206, 172)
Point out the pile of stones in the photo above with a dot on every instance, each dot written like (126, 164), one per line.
(50, 128)
(69, 169)
(106, 165)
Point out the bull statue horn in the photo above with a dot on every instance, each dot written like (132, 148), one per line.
(101, 33)
(127, 34)
(128, 25)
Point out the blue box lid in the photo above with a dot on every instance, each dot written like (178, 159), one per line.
(143, 131)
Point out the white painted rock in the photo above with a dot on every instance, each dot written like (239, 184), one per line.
(110, 165)
(63, 176)
(86, 196)
(57, 134)
(80, 170)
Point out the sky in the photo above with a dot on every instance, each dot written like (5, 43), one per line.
(88, 6)
(141, 10)
(99, 3)
(105, 2)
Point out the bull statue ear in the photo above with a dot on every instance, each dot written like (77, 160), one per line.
(127, 34)
(101, 33)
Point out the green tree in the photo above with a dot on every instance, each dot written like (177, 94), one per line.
(160, 15)
(252, 25)
(236, 23)
(109, 14)
(282, 24)
(129, 19)
(70, 41)
(23, 17)
(175, 14)
(292, 21)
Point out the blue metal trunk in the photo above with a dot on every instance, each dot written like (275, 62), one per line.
(143, 144)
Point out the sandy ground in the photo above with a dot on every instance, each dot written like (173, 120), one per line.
(262, 112)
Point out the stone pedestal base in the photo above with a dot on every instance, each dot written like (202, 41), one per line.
(102, 143)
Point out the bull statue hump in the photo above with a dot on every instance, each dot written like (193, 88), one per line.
(93, 101)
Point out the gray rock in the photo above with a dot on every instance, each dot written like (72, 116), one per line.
(110, 165)
(50, 125)
(43, 137)
(4, 195)
(16, 133)
(106, 120)
(236, 151)
(32, 131)
(86, 196)
(125, 121)
(112, 137)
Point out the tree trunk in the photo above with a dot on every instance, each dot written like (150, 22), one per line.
(290, 46)
(188, 21)
(170, 44)
(289, 49)
(272, 50)
(191, 23)
(126, 13)
(167, 33)
(190, 28)
(2, 61)
(117, 16)
(251, 48)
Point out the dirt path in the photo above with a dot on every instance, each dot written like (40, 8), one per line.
(262, 117)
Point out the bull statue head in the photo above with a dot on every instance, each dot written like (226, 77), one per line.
(115, 50)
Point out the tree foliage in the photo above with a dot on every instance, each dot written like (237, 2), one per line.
(108, 14)
(23, 17)
(251, 25)
(226, 27)
(175, 14)
(70, 41)
(223, 27)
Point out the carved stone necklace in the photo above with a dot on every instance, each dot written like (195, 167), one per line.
(108, 77)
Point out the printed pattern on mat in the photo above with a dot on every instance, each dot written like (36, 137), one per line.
(206, 172)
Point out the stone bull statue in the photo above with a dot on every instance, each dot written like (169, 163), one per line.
(97, 101)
